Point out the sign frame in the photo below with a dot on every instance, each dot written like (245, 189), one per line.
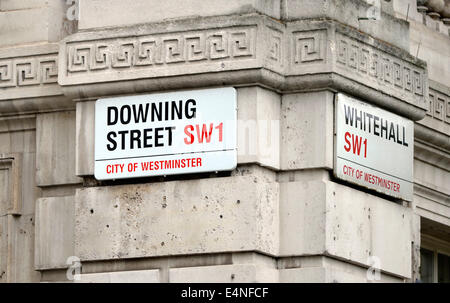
(213, 116)
(398, 185)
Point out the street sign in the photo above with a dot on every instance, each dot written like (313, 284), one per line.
(165, 134)
(373, 148)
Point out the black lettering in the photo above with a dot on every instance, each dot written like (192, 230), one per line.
(404, 137)
(358, 118)
(166, 111)
(190, 112)
(177, 110)
(376, 125)
(122, 133)
(112, 109)
(113, 145)
(384, 127)
(348, 116)
(391, 132)
(157, 111)
(370, 121)
(158, 136)
(141, 113)
(169, 129)
(122, 114)
(147, 137)
(398, 135)
(135, 136)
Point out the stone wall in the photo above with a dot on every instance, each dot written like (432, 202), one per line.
(280, 216)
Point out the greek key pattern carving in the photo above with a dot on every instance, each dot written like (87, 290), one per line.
(36, 70)
(308, 46)
(368, 62)
(439, 106)
(276, 50)
(151, 51)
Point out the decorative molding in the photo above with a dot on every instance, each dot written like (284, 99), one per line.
(276, 50)
(182, 51)
(439, 106)
(372, 65)
(11, 164)
(29, 80)
(296, 56)
(308, 47)
(36, 70)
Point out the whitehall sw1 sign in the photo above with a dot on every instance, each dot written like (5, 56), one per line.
(165, 134)
(374, 148)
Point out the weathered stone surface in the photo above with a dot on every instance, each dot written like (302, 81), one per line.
(55, 159)
(104, 13)
(304, 55)
(11, 184)
(16, 249)
(17, 141)
(237, 273)
(54, 241)
(336, 220)
(134, 276)
(8, 5)
(237, 213)
(377, 21)
(258, 126)
(85, 141)
(433, 47)
(328, 270)
(44, 21)
(28, 79)
(438, 110)
(307, 122)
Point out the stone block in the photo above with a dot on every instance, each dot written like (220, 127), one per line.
(237, 213)
(44, 21)
(302, 219)
(377, 21)
(346, 223)
(307, 130)
(17, 149)
(8, 5)
(16, 249)
(16, 31)
(55, 157)
(85, 138)
(303, 275)
(104, 13)
(329, 270)
(258, 126)
(236, 273)
(54, 232)
(134, 276)
(433, 47)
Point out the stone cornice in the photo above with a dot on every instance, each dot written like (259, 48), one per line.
(431, 137)
(246, 50)
(438, 109)
(431, 155)
(28, 79)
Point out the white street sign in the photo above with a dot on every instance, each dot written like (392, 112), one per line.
(165, 134)
(373, 148)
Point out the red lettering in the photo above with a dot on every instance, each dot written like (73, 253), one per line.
(204, 134)
(220, 128)
(356, 144)
(190, 138)
(347, 142)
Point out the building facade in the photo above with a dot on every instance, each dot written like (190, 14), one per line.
(281, 215)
